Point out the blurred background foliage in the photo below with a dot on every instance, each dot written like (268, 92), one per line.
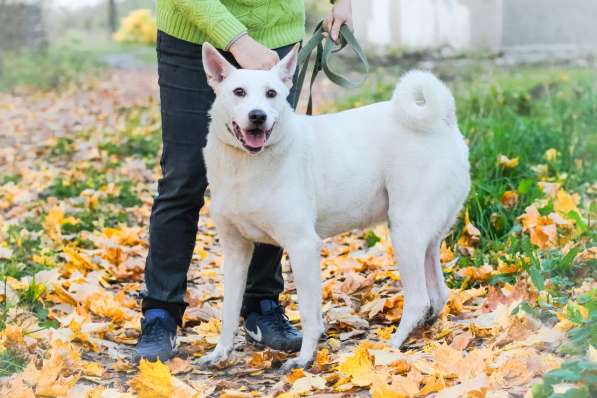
(48, 43)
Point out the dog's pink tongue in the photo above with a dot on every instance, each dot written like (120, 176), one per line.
(255, 140)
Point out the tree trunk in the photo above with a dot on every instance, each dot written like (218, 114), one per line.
(112, 15)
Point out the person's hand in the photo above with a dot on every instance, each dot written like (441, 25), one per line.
(341, 14)
(253, 55)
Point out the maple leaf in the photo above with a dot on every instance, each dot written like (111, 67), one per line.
(123, 235)
(295, 374)
(58, 373)
(93, 369)
(509, 199)
(104, 304)
(470, 235)
(393, 307)
(448, 360)
(551, 154)
(359, 366)
(260, 360)
(461, 341)
(77, 260)
(210, 330)
(549, 188)
(178, 365)
(153, 381)
(542, 229)
(404, 386)
(446, 254)
(322, 360)
(482, 273)
(474, 388)
(385, 333)
(505, 162)
(307, 383)
(381, 389)
(514, 371)
(54, 221)
(432, 384)
(80, 336)
(565, 202)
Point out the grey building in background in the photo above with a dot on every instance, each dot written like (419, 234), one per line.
(494, 25)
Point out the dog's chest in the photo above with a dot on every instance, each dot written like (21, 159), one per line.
(254, 197)
(249, 212)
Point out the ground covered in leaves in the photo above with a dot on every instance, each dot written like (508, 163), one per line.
(79, 168)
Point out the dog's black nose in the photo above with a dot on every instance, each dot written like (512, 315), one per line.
(257, 116)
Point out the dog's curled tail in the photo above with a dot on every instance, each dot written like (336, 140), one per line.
(422, 100)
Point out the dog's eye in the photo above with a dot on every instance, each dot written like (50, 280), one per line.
(271, 93)
(239, 92)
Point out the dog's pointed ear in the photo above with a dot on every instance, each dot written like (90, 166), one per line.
(287, 66)
(216, 67)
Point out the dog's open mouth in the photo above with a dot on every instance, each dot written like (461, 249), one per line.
(253, 140)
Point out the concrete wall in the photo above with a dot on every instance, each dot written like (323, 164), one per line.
(549, 22)
(475, 24)
(22, 26)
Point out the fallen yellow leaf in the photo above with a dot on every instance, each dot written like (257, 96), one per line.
(506, 163)
(380, 388)
(565, 202)
(359, 366)
(153, 381)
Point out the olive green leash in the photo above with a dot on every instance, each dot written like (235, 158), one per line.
(325, 48)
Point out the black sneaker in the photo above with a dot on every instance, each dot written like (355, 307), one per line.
(272, 328)
(158, 336)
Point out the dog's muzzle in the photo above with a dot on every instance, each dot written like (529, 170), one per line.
(254, 139)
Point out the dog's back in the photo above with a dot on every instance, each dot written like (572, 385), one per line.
(411, 142)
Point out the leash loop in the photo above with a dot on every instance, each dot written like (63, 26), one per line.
(325, 47)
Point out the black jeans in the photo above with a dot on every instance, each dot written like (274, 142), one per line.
(185, 101)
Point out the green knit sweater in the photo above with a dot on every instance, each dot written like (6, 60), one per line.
(273, 23)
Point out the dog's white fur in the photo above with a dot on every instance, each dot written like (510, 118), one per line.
(403, 161)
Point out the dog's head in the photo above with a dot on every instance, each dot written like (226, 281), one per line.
(249, 102)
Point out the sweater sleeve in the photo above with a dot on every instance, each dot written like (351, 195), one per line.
(212, 18)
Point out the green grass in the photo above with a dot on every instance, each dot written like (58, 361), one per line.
(48, 70)
(141, 138)
(76, 53)
(11, 362)
(24, 240)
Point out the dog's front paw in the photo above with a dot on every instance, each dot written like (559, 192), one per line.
(398, 340)
(215, 358)
(295, 363)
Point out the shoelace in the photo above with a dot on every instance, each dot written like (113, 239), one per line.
(278, 320)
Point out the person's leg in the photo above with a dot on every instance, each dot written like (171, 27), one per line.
(185, 101)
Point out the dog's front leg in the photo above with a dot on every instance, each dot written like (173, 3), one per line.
(237, 256)
(304, 258)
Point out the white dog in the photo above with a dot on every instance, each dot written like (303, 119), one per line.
(291, 180)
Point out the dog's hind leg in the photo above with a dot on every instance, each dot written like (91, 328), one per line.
(436, 284)
(237, 256)
(410, 249)
(304, 258)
